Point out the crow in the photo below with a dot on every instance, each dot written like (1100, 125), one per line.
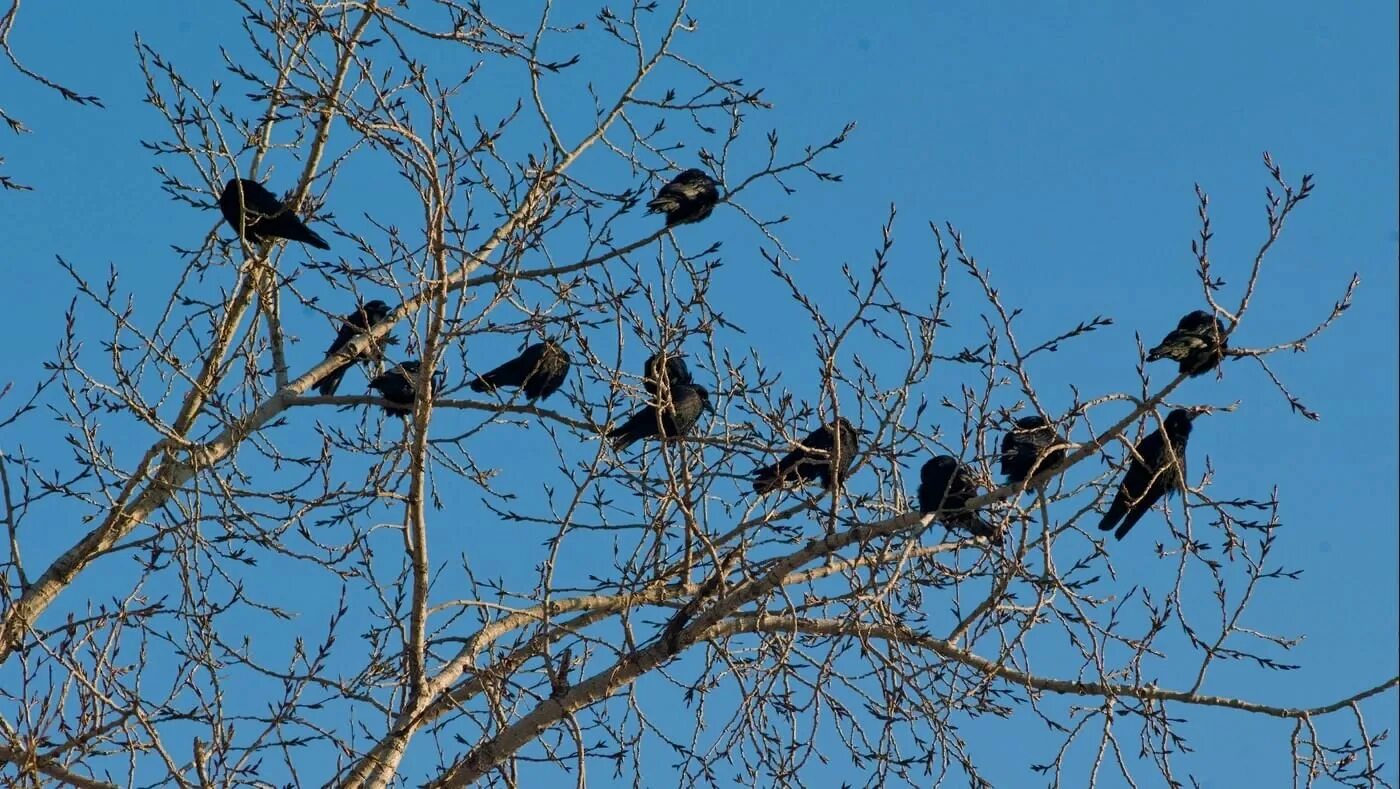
(677, 373)
(945, 488)
(816, 458)
(360, 320)
(1154, 472)
(670, 421)
(399, 385)
(689, 197)
(539, 371)
(1198, 343)
(265, 216)
(1025, 450)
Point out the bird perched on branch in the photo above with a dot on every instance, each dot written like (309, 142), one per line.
(1026, 449)
(360, 320)
(399, 386)
(945, 488)
(1158, 469)
(1197, 343)
(538, 371)
(689, 197)
(676, 372)
(668, 420)
(263, 215)
(817, 457)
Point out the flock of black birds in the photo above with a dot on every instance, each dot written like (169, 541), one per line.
(1028, 450)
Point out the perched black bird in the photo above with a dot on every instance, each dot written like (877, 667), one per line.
(1198, 343)
(689, 197)
(1153, 473)
(677, 373)
(356, 322)
(945, 487)
(677, 419)
(1028, 444)
(265, 216)
(399, 385)
(539, 371)
(816, 458)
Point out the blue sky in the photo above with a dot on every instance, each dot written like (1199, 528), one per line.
(1064, 141)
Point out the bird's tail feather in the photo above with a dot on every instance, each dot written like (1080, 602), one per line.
(327, 386)
(1110, 519)
(766, 479)
(313, 238)
(1129, 522)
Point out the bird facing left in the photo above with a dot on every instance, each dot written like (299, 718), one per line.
(262, 215)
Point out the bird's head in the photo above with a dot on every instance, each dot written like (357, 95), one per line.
(375, 310)
(1179, 421)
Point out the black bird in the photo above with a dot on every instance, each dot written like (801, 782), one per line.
(265, 217)
(370, 313)
(816, 458)
(689, 197)
(539, 371)
(677, 373)
(1198, 343)
(1153, 473)
(399, 385)
(945, 487)
(1026, 445)
(677, 419)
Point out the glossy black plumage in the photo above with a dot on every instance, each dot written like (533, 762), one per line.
(1153, 473)
(945, 487)
(1025, 445)
(816, 458)
(266, 216)
(539, 371)
(1197, 343)
(356, 322)
(677, 419)
(398, 385)
(677, 373)
(689, 197)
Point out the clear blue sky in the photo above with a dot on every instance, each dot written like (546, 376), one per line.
(1063, 140)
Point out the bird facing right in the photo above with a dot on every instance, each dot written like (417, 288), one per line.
(1026, 449)
(676, 374)
(945, 487)
(670, 420)
(689, 197)
(263, 216)
(539, 371)
(817, 458)
(399, 386)
(1198, 343)
(1158, 469)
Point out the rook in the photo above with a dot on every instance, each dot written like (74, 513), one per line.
(264, 216)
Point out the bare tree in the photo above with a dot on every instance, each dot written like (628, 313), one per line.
(282, 588)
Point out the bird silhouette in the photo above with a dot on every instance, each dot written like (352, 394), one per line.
(538, 371)
(1153, 473)
(399, 386)
(677, 373)
(360, 320)
(817, 457)
(1197, 344)
(689, 197)
(1026, 449)
(670, 420)
(945, 488)
(265, 216)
